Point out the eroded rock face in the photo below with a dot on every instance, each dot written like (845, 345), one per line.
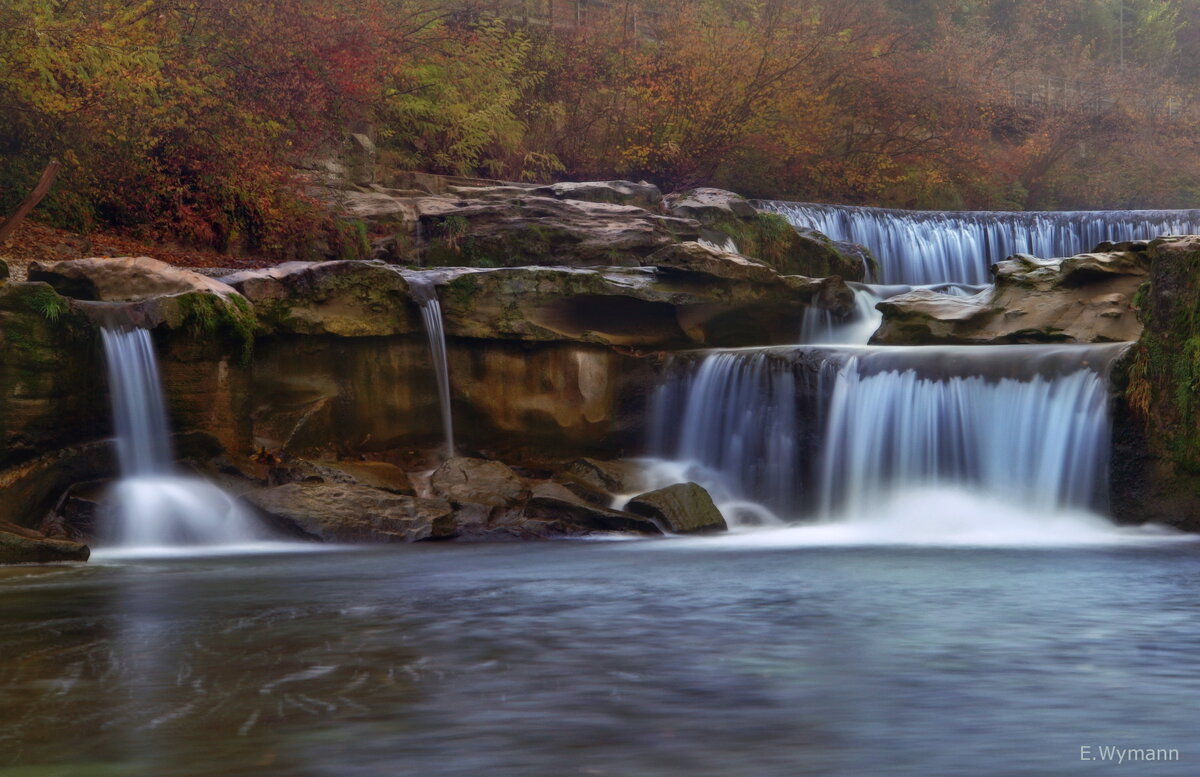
(342, 512)
(23, 546)
(342, 298)
(1080, 299)
(1156, 416)
(683, 508)
(635, 307)
(641, 195)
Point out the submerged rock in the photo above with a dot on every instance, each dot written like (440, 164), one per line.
(684, 508)
(340, 512)
(25, 546)
(1079, 299)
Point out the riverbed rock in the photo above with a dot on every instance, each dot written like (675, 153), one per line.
(643, 307)
(24, 546)
(377, 474)
(338, 512)
(615, 476)
(526, 230)
(562, 512)
(341, 298)
(463, 480)
(712, 261)
(708, 205)
(123, 279)
(1080, 299)
(642, 195)
(683, 508)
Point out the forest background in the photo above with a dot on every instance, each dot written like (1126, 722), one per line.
(186, 120)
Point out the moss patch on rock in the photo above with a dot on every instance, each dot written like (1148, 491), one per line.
(772, 239)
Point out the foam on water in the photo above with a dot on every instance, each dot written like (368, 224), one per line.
(945, 517)
(152, 506)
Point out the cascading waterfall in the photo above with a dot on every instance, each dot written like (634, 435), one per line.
(1028, 423)
(151, 505)
(821, 327)
(919, 247)
(431, 314)
(836, 432)
(743, 423)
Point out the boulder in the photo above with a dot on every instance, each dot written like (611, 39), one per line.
(708, 206)
(338, 512)
(712, 261)
(463, 480)
(683, 508)
(614, 477)
(123, 279)
(342, 298)
(24, 546)
(562, 512)
(1080, 299)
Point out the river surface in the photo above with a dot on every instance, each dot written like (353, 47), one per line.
(672, 657)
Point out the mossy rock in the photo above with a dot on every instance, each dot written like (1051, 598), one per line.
(773, 240)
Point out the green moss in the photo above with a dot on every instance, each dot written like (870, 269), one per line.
(462, 289)
(1164, 374)
(772, 239)
(231, 318)
(47, 302)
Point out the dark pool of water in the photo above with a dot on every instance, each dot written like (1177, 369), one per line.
(615, 659)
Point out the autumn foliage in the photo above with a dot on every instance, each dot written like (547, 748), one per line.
(187, 119)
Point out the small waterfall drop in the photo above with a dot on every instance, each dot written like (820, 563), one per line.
(152, 506)
(821, 327)
(920, 247)
(431, 315)
(839, 432)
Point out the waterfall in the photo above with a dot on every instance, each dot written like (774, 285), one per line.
(431, 315)
(836, 431)
(151, 505)
(916, 247)
(744, 422)
(822, 327)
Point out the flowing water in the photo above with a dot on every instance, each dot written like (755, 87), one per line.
(431, 315)
(151, 507)
(821, 327)
(705, 658)
(825, 433)
(919, 247)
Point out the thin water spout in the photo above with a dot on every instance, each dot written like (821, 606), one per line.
(431, 315)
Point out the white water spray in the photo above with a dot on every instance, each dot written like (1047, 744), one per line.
(151, 506)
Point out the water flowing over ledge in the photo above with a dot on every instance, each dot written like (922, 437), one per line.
(920, 247)
(832, 432)
(151, 507)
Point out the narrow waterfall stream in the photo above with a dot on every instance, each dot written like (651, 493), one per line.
(920, 247)
(431, 315)
(152, 506)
